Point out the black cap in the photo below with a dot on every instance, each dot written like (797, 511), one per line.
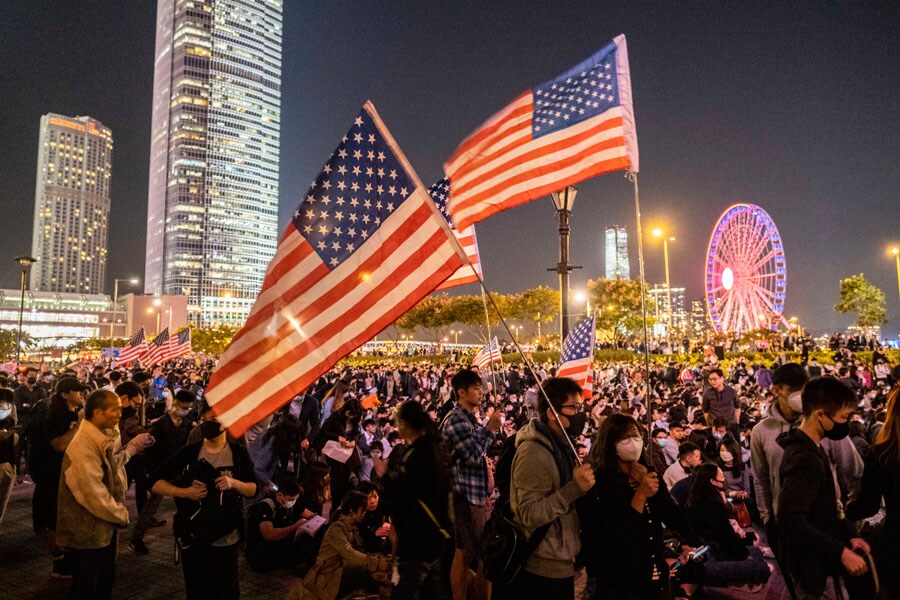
(790, 373)
(70, 384)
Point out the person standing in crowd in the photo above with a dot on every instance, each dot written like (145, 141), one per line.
(9, 439)
(622, 516)
(131, 425)
(766, 453)
(28, 395)
(418, 490)
(468, 443)
(544, 486)
(881, 480)
(342, 427)
(819, 547)
(209, 480)
(53, 434)
(92, 496)
(720, 400)
(171, 433)
(342, 566)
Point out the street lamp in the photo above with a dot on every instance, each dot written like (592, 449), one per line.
(896, 252)
(25, 262)
(517, 328)
(658, 233)
(583, 297)
(455, 336)
(563, 202)
(132, 281)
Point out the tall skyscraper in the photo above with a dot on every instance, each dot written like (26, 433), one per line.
(71, 205)
(617, 253)
(212, 215)
(661, 300)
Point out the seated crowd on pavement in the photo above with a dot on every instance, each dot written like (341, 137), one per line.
(407, 480)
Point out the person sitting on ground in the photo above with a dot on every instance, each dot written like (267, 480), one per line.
(342, 566)
(689, 456)
(273, 528)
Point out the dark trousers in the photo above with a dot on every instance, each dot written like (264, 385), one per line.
(137, 473)
(421, 579)
(211, 572)
(93, 572)
(529, 585)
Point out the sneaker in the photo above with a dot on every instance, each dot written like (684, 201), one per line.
(61, 568)
(139, 547)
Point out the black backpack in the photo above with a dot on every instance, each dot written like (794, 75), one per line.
(505, 547)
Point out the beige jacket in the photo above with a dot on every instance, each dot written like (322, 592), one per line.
(341, 547)
(92, 489)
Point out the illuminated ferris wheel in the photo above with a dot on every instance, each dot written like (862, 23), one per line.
(745, 272)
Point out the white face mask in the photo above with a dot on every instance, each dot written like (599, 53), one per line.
(290, 503)
(630, 449)
(726, 456)
(795, 401)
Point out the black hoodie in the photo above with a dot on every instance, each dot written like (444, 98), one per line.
(813, 534)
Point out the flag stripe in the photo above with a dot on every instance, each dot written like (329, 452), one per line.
(303, 380)
(301, 370)
(495, 128)
(264, 342)
(326, 315)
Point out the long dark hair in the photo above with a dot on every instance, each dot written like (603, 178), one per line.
(603, 449)
(284, 436)
(732, 446)
(352, 502)
(315, 484)
(413, 414)
(701, 488)
(888, 439)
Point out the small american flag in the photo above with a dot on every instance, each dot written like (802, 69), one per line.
(178, 345)
(571, 128)
(470, 273)
(365, 245)
(135, 349)
(487, 355)
(577, 359)
(157, 349)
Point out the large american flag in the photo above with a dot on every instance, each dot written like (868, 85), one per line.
(366, 244)
(576, 126)
(178, 345)
(577, 359)
(487, 355)
(469, 273)
(135, 349)
(158, 348)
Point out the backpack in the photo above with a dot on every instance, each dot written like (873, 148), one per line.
(505, 547)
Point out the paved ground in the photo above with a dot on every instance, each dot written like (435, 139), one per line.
(25, 565)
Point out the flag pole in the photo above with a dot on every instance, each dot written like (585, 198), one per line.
(640, 238)
(487, 326)
(530, 365)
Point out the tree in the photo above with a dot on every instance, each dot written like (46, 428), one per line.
(538, 305)
(469, 312)
(866, 300)
(212, 340)
(8, 344)
(433, 314)
(618, 305)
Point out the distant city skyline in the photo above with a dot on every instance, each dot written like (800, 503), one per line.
(616, 253)
(212, 210)
(71, 205)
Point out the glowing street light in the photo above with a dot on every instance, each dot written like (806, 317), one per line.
(896, 252)
(658, 233)
(25, 262)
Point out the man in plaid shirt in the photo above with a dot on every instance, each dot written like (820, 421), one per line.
(468, 442)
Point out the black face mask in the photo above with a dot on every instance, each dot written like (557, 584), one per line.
(838, 431)
(31, 380)
(576, 424)
(210, 429)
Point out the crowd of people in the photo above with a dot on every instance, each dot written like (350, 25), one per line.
(421, 481)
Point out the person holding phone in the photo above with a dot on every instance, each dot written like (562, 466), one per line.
(209, 481)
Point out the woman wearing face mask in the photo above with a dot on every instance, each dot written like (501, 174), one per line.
(622, 516)
(342, 427)
(8, 440)
(209, 480)
(737, 476)
(342, 566)
(733, 558)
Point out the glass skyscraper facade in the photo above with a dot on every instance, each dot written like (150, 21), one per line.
(616, 253)
(71, 205)
(212, 214)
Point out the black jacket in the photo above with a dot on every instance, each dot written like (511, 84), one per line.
(709, 520)
(812, 533)
(620, 545)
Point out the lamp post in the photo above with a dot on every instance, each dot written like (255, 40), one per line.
(563, 202)
(659, 233)
(517, 329)
(455, 336)
(896, 252)
(25, 262)
(112, 325)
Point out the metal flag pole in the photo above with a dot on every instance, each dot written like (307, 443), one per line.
(640, 237)
(487, 326)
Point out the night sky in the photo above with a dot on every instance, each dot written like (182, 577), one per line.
(794, 106)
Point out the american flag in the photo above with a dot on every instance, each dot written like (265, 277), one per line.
(366, 244)
(158, 348)
(577, 359)
(178, 345)
(135, 349)
(487, 355)
(440, 193)
(576, 126)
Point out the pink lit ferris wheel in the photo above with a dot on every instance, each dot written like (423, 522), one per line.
(745, 272)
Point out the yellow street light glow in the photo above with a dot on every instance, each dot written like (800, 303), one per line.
(895, 250)
(657, 232)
